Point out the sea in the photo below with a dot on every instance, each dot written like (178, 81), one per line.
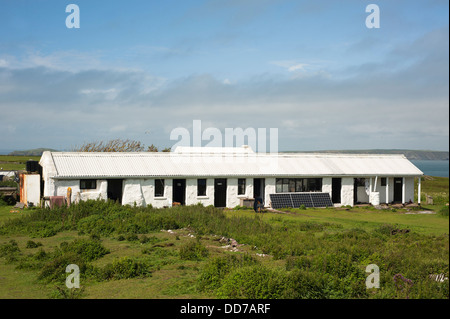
(432, 168)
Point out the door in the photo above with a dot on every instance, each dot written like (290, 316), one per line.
(398, 189)
(258, 188)
(114, 191)
(220, 192)
(336, 184)
(179, 191)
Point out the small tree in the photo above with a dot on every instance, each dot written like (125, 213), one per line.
(116, 145)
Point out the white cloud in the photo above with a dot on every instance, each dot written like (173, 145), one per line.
(300, 66)
(403, 107)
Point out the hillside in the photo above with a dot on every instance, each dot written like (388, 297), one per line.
(32, 152)
(410, 154)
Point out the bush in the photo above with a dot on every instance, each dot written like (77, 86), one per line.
(86, 249)
(193, 250)
(10, 251)
(215, 270)
(125, 267)
(443, 211)
(306, 285)
(254, 282)
(32, 244)
(55, 270)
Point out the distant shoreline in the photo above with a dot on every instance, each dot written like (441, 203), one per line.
(410, 154)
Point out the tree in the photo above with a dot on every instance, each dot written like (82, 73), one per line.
(116, 145)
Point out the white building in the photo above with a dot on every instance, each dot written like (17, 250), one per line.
(223, 176)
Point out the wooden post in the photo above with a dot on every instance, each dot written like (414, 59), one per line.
(69, 196)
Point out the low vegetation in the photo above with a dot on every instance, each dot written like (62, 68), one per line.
(204, 252)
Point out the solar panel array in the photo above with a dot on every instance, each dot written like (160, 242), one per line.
(295, 200)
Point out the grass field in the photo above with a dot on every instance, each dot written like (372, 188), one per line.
(329, 243)
(195, 252)
(13, 163)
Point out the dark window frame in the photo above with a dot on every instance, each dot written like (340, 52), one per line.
(201, 188)
(291, 185)
(383, 181)
(159, 187)
(88, 184)
(360, 182)
(241, 186)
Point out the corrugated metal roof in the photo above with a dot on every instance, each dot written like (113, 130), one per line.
(149, 164)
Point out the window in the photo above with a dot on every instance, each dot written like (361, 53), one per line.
(241, 186)
(279, 185)
(88, 184)
(290, 185)
(383, 181)
(201, 187)
(360, 181)
(159, 188)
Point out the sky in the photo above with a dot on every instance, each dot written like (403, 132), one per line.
(139, 70)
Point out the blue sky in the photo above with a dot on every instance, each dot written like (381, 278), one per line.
(139, 69)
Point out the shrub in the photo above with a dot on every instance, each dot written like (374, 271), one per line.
(193, 250)
(443, 211)
(65, 293)
(254, 282)
(132, 237)
(32, 244)
(125, 267)
(215, 270)
(10, 251)
(86, 249)
(306, 285)
(55, 270)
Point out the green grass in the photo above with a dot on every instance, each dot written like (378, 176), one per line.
(13, 163)
(325, 250)
(9, 212)
(367, 219)
(436, 187)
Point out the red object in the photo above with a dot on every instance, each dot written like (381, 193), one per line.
(57, 201)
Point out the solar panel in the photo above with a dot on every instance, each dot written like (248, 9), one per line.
(281, 200)
(299, 199)
(321, 200)
(295, 200)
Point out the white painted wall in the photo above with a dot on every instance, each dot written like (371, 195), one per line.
(326, 185)
(61, 186)
(191, 192)
(409, 194)
(164, 201)
(347, 191)
(232, 192)
(270, 189)
(132, 192)
(32, 188)
(142, 191)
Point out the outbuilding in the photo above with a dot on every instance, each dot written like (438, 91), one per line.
(223, 177)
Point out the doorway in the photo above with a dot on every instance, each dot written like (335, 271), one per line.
(220, 192)
(179, 191)
(114, 190)
(258, 188)
(398, 189)
(336, 185)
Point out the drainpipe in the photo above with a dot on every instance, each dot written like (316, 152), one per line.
(403, 190)
(418, 190)
(387, 190)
